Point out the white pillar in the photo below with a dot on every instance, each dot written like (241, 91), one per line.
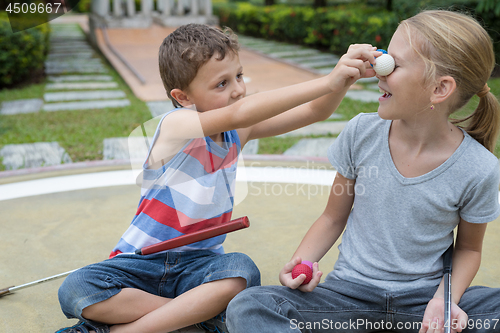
(100, 7)
(180, 8)
(146, 7)
(165, 7)
(117, 8)
(194, 8)
(208, 8)
(130, 8)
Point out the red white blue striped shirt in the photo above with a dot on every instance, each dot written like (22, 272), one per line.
(197, 184)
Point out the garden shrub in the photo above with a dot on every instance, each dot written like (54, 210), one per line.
(22, 53)
(333, 28)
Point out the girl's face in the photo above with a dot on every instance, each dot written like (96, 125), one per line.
(405, 95)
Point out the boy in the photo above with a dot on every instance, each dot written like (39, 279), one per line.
(189, 177)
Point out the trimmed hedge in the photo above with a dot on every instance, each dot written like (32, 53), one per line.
(333, 28)
(22, 52)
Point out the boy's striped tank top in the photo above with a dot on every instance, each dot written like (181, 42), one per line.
(196, 185)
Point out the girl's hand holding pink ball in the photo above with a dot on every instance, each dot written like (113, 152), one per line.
(292, 275)
(303, 268)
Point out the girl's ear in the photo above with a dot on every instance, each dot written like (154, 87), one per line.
(445, 87)
(181, 97)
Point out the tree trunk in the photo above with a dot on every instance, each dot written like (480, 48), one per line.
(389, 5)
(319, 3)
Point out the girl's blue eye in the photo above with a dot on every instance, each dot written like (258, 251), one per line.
(239, 76)
(222, 84)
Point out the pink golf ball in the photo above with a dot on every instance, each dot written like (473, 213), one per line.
(302, 269)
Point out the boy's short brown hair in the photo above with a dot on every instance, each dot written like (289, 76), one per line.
(189, 47)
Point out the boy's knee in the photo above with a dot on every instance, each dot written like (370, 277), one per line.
(244, 263)
(68, 292)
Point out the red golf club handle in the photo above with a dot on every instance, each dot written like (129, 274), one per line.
(197, 236)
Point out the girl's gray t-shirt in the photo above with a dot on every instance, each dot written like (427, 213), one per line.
(400, 227)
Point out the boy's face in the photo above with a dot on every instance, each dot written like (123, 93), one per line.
(217, 84)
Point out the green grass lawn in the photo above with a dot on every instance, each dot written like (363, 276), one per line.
(80, 133)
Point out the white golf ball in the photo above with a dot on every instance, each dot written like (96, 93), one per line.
(384, 65)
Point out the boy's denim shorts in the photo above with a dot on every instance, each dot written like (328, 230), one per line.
(167, 274)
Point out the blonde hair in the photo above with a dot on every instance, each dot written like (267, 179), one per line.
(455, 44)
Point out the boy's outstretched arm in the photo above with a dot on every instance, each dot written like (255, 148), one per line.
(256, 108)
(323, 233)
(353, 65)
(466, 262)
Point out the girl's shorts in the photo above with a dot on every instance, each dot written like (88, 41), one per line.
(167, 274)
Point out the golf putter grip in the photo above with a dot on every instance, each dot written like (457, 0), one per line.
(197, 236)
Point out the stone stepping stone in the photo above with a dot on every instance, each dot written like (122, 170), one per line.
(72, 78)
(270, 48)
(255, 41)
(56, 36)
(74, 62)
(251, 148)
(31, 105)
(64, 26)
(368, 80)
(326, 70)
(157, 108)
(321, 128)
(81, 85)
(65, 50)
(262, 43)
(242, 38)
(319, 63)
(82, 95)
(310, 147)
(336, 116)
(86, 105)
(68, 44)
(70, 55)
(363, 95)
(70, 49)
(67, 34)
(295, 53)
(319, 57)
(65, 30)
(76, 70)
(131, 148)
(62, 39)
(32, 155)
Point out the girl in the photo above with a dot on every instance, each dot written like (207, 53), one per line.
(406, 178)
